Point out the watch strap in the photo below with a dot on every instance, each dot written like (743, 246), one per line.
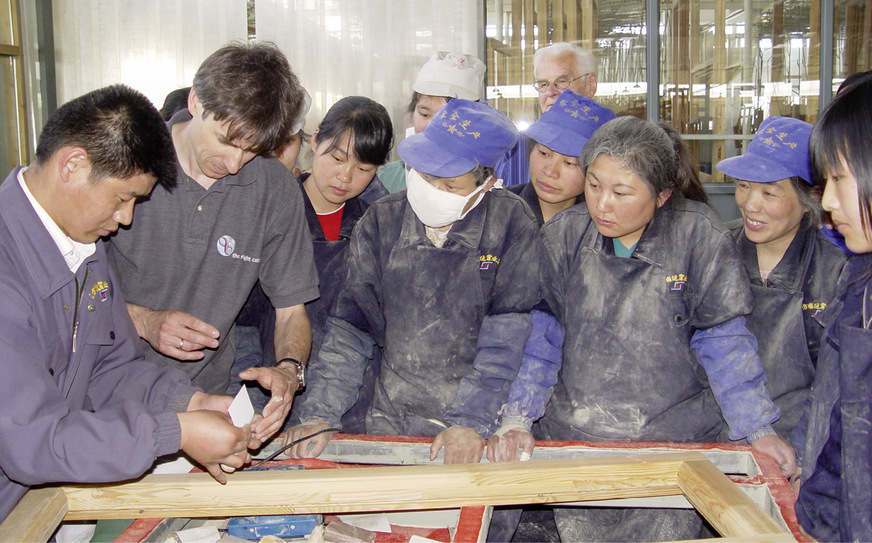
(301, 371)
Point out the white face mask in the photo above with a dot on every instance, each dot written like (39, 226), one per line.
(437, 208)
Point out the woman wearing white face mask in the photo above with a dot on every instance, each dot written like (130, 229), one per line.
(443, 77)
(442, 278)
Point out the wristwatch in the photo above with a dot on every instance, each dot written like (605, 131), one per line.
(301, 371)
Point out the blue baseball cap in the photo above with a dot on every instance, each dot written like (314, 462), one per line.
(778, 151)
(461, 136)
(569, 123)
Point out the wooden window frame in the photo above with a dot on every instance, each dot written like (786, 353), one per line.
(418, 487)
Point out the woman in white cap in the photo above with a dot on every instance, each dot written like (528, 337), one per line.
(443, 278)
(444, 76)
(791, 265)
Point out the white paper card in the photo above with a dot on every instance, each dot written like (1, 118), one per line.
(374, 523)
(241, 410)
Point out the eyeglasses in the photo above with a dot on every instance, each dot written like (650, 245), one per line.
(561, 83)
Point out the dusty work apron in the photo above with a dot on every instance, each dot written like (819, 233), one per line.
(330, 257)
(434, 305)
(628, 374)
(628, 371)
(835, 498)
(777, 323)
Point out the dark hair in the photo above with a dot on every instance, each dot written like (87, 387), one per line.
(252, 87)
(174, 102)
(640, 146)
(482, 174)
(416, 97)
(119, 128)
(853, 79)
(687, 183)
(843, 131)
(366, 120)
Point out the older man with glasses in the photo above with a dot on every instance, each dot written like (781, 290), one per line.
(557, 67)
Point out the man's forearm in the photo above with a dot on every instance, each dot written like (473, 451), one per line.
(293, 335)
(139, 315)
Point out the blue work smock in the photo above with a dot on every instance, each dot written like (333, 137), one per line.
(330, 257)
(783, 320)
(528, 194)
(629, 371)
(452, 321)
(835, 499)
(330, 264)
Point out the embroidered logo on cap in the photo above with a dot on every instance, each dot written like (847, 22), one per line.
(460, 127)
(777, 139)
(577, 109)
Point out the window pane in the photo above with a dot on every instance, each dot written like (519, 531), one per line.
(9, 119)
(6, 20)
(853, 39)
(614, 31)
(726, 67)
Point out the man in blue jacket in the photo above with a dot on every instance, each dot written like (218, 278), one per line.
(80, 404)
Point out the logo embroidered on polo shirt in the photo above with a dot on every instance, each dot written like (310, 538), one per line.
(226, 245)
(817, 307)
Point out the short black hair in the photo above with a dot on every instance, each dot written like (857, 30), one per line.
(252, 87)
(175, 101)
(119, 128)
(416, 97)
(366, 120)
(853, 79)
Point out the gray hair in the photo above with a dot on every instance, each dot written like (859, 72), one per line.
(584, 59)
(640, 146)
(809, 198)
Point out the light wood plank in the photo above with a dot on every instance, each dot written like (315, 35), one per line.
(729, 510)
(381, 488)
(729, 458)
(764, 538)
(36, 516)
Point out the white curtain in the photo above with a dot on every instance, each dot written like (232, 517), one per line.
(337, 48)
(370, 48)
(154, 46)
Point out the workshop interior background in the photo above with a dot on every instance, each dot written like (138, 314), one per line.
(723, 65)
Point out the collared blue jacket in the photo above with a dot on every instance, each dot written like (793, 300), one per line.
(835, 499)
(73, 412)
